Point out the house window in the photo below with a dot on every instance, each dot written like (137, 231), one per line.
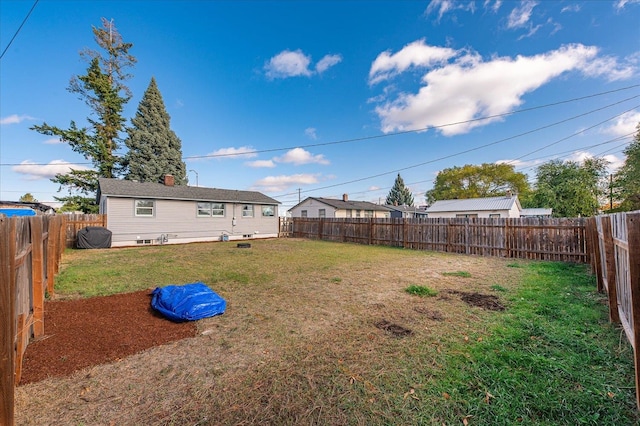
(247, 210)
(210, 209)
(322, 213)
(368, 213)
(144, 207)
(494, 215)
(268, 211)
(349, 212)
(466, 215)
(303, 213)
(358, 213)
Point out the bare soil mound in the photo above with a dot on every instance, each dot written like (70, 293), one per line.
(484, 301)
(86, 332)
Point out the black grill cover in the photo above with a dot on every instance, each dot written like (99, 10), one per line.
(94, 237)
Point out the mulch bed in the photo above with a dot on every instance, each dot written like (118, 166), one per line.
(87, 332)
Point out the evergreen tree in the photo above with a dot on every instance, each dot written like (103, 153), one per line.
(102, 88)
(399, 195)
(154, 149)
(627, 179)
(28, 198)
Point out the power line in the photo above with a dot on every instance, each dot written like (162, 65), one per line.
(19, 28)
(471, 149)
(194, 157)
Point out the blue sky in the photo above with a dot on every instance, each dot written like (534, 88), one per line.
(322, 98)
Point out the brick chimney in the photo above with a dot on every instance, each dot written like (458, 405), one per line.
(169, 180)
(345, 197)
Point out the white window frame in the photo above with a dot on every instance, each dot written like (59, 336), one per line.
(368, 213)
(139, 208)
(322, 213)
(268, 211)
(247, 210)
(303, 213)
(209, 209)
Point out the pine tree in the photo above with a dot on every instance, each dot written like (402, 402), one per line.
(102, 88)
(154, 149)
(399, 195)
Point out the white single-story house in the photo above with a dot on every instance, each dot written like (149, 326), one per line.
(329, 207)
(140, 213)
(505, 206)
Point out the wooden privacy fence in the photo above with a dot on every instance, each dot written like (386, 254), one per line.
(76, 222)
(30, 252)
(524, 238)
(615, 248)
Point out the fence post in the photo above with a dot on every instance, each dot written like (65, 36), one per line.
(7, 323)
(370, 231)
(610, 263)
(633, 237)
(37, 275)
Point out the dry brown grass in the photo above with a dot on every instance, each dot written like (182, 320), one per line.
(300, 347)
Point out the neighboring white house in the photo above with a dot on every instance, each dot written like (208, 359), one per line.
(140, 213)
(329, 207)
(539, 212)
(505, 206)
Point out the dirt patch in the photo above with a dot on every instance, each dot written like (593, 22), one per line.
(394, 329)
(431, 314)
(484, 301)
(87, 332)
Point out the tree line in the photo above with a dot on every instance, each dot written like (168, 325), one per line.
(570, 188)
(153, 148)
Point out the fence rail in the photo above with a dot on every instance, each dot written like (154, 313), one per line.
(615, 249)
(524, 238)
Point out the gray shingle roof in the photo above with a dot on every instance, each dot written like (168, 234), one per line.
(132, 189)
(347, 205)
(474, 204)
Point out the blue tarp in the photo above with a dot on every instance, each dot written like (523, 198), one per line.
(187, 302)
(18, 212)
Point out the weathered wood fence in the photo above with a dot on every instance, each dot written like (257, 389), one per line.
(615, 249)
(524, 238)
(30, 253)
(76, 222)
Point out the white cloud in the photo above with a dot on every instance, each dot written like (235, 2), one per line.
(571, 8)
(299, 156)
(620, 4)
(53, 141)
(496, 5)
(444, 6)
(295, 63)
(327, 62)
(614, 162)
(241, 152)
(261, 164)
(288, 64)
(311, 133)
(520, 16)
(35, 171)
(469, 87)
(624, 125)
(14, 119)
(416, 54)
(284, 182)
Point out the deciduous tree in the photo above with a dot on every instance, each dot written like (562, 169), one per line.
(627, 179)
(154, 149)
(399, 194)
(570, 188)
(477, 181)
(102, 88)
